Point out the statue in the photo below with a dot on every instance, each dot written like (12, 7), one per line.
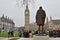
(40, 18)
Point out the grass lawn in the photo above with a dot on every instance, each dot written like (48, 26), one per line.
(16, 34)
(5, 34)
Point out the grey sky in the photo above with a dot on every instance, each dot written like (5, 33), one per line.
(10, 9)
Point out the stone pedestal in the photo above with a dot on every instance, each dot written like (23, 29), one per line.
(41, 38)
(25, 39)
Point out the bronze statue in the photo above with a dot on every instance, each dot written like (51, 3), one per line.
(40, 18)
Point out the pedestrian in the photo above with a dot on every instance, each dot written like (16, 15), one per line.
(20, 34)
(12, 33)
(30, 34)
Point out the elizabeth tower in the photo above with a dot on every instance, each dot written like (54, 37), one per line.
(27, 15)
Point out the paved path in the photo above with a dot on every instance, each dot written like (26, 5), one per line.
(3, 38)
(54, 38)
(40, 39)
(36, 38)
(28, 38)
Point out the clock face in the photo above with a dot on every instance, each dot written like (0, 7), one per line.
(26, 12)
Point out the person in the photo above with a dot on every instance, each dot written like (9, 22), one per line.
(36, 32)
(8, 33)
(54, 33)
(50, 33)
(40, 18)
(30, 34)
(26, 34)
(12, 33)
(20, 33)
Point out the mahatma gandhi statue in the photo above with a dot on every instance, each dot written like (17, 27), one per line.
(40, 18)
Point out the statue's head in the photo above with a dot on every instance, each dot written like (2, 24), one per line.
(40, 7)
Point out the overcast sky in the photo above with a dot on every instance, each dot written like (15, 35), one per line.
(15, 11)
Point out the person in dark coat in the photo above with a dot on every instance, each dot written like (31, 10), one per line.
(12, 33)
(26, 34)
(40, 18)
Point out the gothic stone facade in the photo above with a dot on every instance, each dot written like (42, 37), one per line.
(6, 24)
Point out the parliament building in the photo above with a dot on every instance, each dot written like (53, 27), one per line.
(6, 24)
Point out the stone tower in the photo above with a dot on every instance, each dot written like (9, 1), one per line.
(27, 18)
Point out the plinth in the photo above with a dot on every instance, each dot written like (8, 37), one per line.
(41, 38)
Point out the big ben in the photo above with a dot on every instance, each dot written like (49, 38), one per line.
(27, 26)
